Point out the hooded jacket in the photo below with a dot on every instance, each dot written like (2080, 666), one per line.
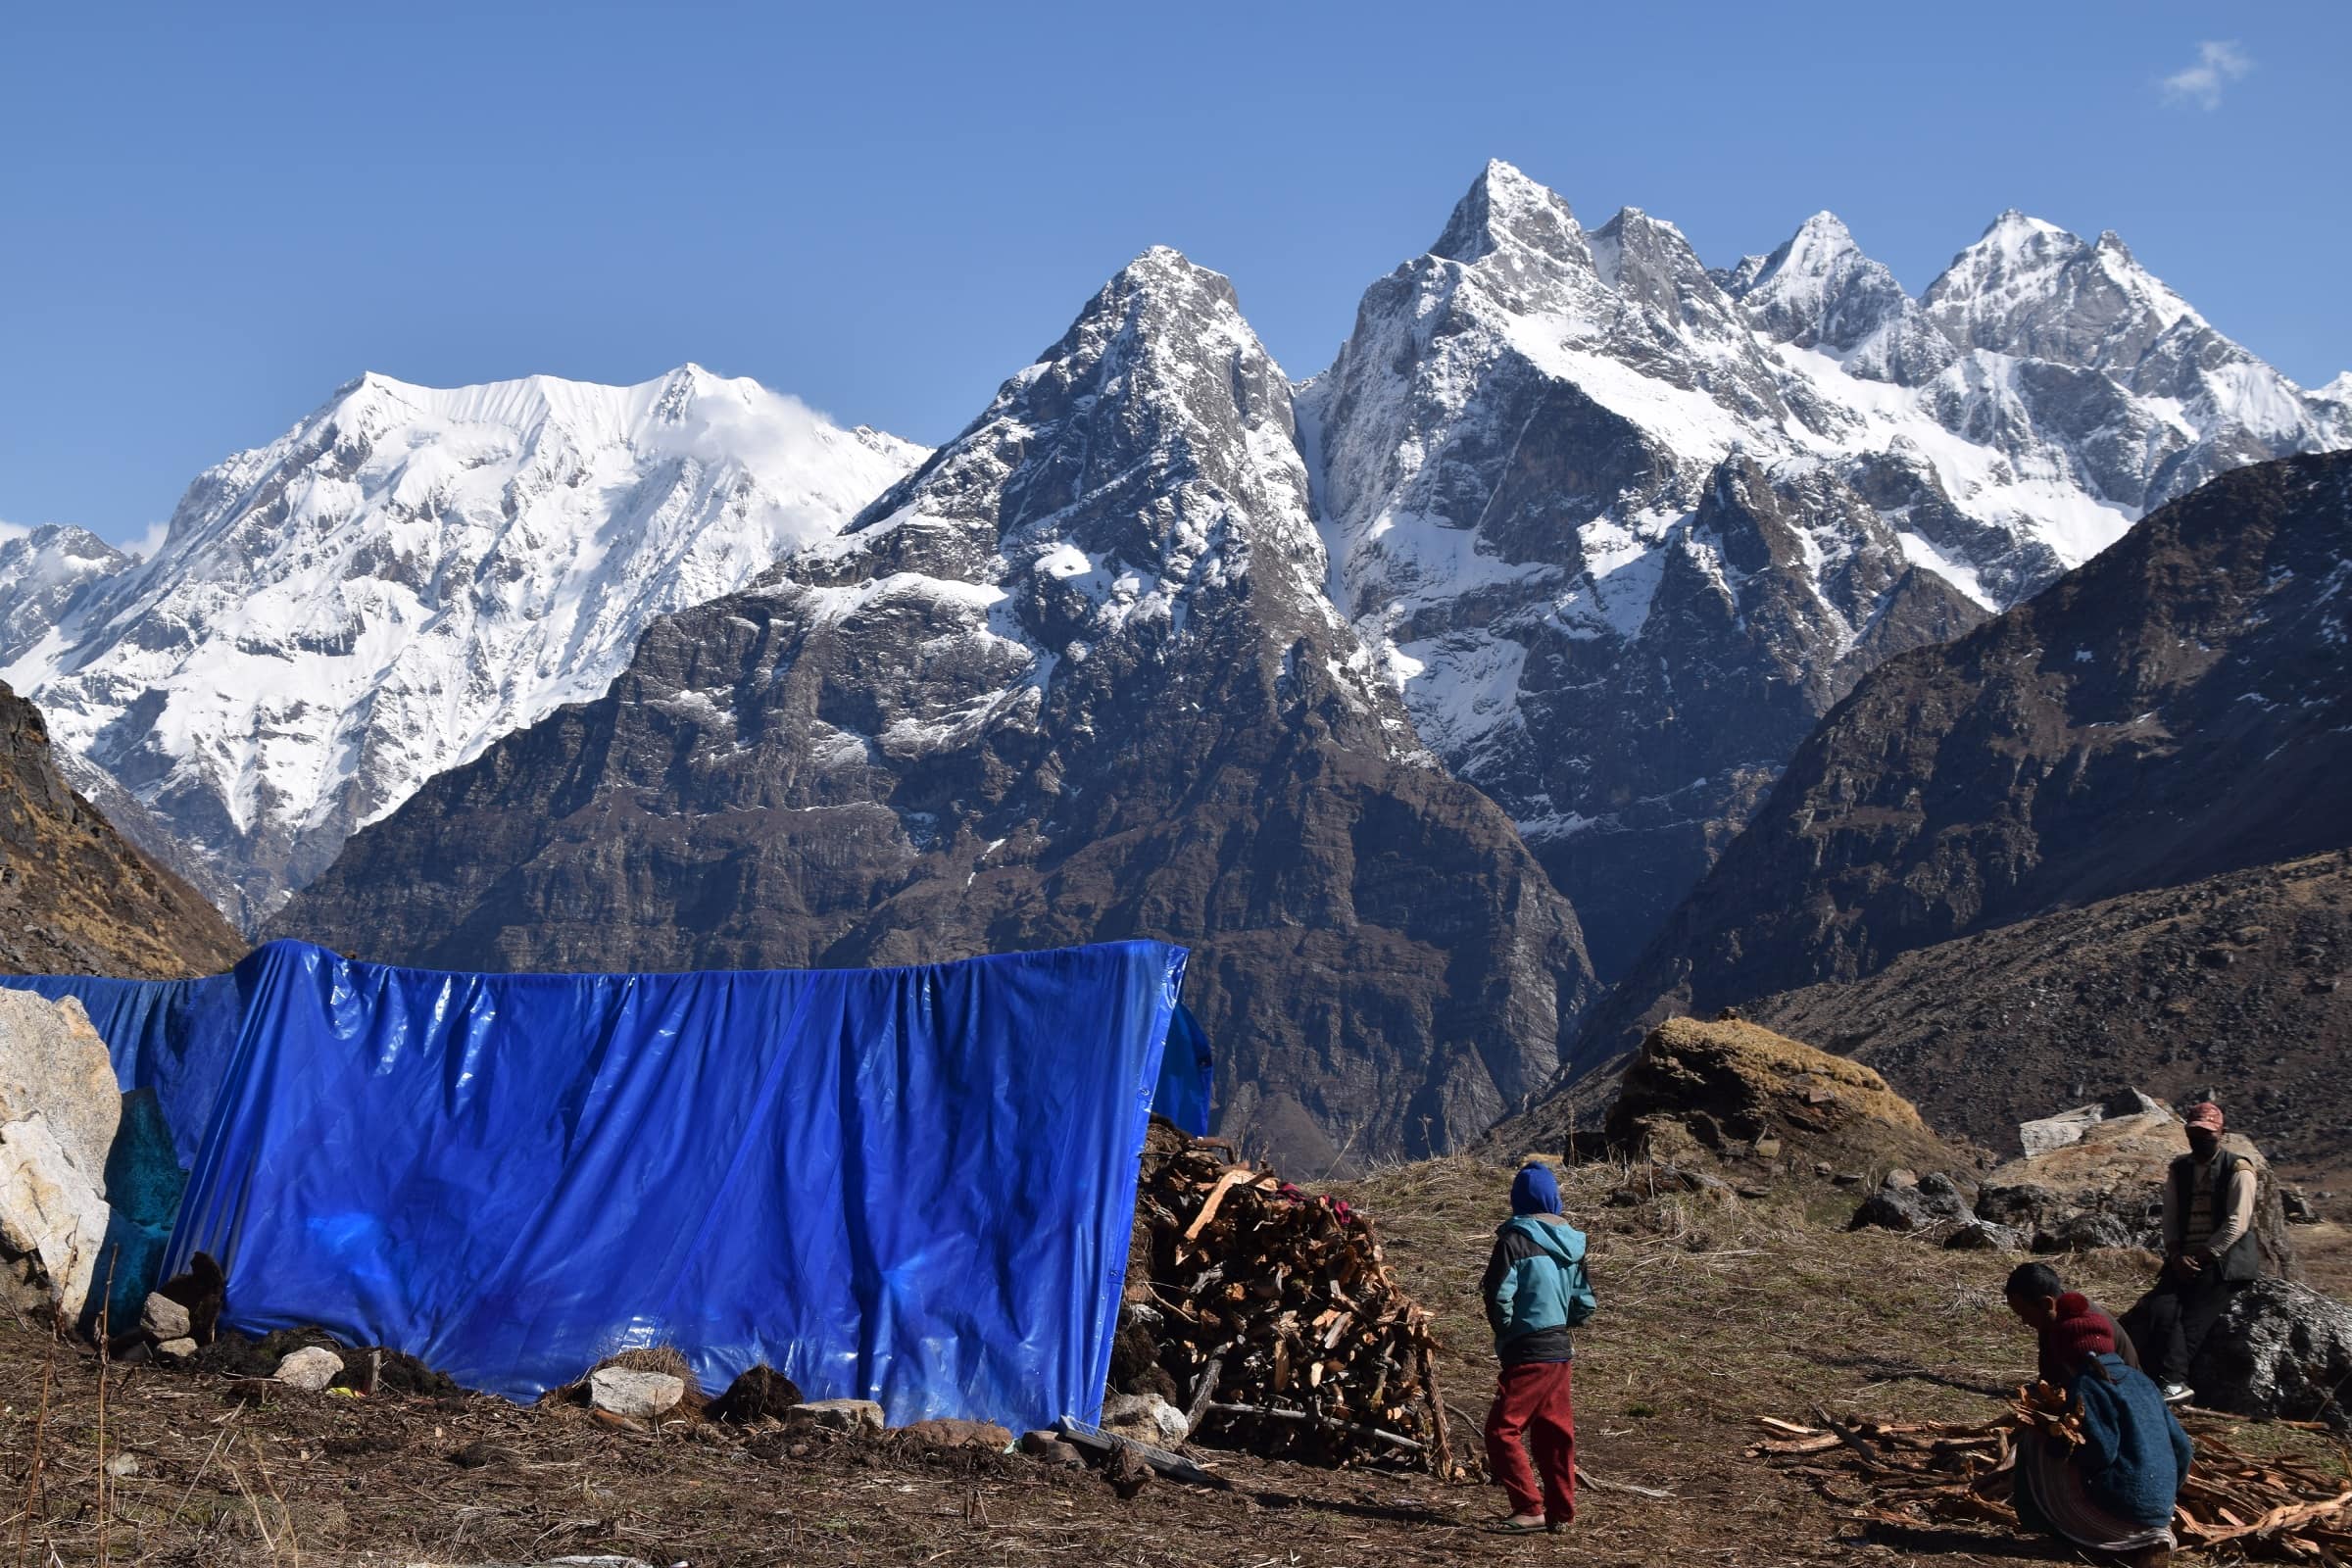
(1536, 1288)
(2133, 1451)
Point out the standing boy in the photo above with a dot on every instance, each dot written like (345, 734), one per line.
(1536, 1291)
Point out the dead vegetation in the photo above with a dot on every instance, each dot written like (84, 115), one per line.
(1714, 1310)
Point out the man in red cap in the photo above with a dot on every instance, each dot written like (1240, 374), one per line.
(2209, 1251)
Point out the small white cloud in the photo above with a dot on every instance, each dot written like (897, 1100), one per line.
(10, 531)
(2218, 63)
(146, 545)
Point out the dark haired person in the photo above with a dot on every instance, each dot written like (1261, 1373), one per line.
(2210, 1252)
(2113, 1493)
(2033, 1292)
(1536, 1291)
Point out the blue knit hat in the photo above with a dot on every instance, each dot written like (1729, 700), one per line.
(1535, 1192)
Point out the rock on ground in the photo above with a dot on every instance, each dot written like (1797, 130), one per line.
(2282, 1350)
(947, 1433)
(860, 1416)
(164, 1319)
(311, 1369)
(642, 1396)
(1983, 1235)
(60, 1113)
(1145, 1418)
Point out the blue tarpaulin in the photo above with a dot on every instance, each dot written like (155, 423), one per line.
(910, 1184)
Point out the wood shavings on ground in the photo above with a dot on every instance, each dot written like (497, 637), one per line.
(2273, 1505)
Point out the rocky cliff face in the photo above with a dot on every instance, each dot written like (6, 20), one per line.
(2174, 709)
(74, 897)
(2236, 983)
(1076, 678)
(1621, 529)
(404, 576)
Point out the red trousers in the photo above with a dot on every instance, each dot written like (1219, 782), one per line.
(1533, 1400)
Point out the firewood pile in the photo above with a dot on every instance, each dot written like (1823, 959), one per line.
(1275, 1316)
(2270, 1506)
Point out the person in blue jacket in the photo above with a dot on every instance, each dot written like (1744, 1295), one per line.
(2115, 1491)
(1536, 1291)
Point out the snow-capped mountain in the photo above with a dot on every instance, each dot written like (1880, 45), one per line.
(402, 577)
(1075, 679)
(41, 575)
(1621, 529)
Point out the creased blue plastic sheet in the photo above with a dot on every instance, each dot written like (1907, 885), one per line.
(176, 1037)
(914, 1185)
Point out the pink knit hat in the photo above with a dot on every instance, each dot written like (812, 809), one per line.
(2205, 1114)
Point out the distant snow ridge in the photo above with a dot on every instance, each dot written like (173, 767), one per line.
(402, 577)
(1621, 528)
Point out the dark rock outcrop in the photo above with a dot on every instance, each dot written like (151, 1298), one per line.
(1075, 679)
(2282, 1351)
(2176, 708)
(76, 896)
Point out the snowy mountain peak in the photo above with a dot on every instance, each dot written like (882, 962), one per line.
(407, 574)
(1818, 291)
(42, 574)
(1159, 388)
(2027, 287)
(1505, 211)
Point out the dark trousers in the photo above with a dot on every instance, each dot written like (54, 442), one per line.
(2171, 1322)
(1532, 1402)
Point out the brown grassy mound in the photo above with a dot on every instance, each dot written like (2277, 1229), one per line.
(1733, 1089)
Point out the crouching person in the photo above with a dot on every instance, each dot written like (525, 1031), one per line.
(2114, 1492)
(1536, 1291)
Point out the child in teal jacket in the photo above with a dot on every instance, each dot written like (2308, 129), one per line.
(1536, 1292)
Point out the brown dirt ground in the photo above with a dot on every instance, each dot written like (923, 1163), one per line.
(1710, 1316)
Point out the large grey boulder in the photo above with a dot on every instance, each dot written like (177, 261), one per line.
(59, 1110)
(53, 1064)
(2282, 1350)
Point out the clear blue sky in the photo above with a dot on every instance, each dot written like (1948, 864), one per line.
(214, 215)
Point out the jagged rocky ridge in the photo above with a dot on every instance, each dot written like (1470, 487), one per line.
(1076, 678)
(1622, 529)
(74, 897)
(406, 575)
(2178, 709)
(1619, 529)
